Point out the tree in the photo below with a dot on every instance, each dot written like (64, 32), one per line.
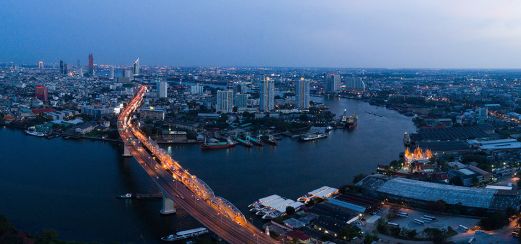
(358, 178)
(411, 234)
(456, 181)
(5, 226)
(438, 206)
(290, 210)
(436, 235)
(370, 238)
(494, 221)
(350, 232)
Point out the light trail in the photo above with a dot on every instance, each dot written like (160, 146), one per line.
(189, 192)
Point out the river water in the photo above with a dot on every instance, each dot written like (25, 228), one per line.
(71, 186)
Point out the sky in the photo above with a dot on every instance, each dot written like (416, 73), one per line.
(288, 33)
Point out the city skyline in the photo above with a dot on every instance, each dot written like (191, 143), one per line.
(402, 34)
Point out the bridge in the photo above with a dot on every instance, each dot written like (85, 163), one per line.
(182, 188)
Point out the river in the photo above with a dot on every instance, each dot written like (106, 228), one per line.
(71, 186)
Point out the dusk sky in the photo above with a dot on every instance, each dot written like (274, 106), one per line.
(310, 33)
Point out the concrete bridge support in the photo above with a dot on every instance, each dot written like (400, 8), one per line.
(168, 206)
(126, 152)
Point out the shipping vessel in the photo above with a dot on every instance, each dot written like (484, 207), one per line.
(215, 144)
(349, 121)
(312, 136)
(33, 132)
(269, 139)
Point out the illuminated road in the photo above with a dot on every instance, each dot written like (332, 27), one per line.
(188, 192)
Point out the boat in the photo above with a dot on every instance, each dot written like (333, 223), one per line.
(185, 234)
(244, 142)
(33, 132)
(349, 121)
(352, 122)
(312, 136)
(269, 139)
(255, 141)
(217, 144)
(125, 196)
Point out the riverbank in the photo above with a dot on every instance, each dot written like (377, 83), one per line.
(81, 179)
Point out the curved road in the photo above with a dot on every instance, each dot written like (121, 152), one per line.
(204, 211)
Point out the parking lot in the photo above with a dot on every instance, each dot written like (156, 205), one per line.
(441, 221)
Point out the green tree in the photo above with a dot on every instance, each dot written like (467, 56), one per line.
(290, 210)
(358, 178)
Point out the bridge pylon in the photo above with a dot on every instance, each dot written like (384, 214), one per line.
(126, 152)
(168, 206)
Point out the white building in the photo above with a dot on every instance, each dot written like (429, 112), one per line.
(224, 101)
(136, 67)
(267, 95)
(162, 89)
(197, 89)
(302, 94)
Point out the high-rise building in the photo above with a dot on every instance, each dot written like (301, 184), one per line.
(65, 68)
(302, 94)
(61, 67)
(197, 89)
(241, 100)
(267, 95)
(127, 73)
(91, 64)
(136, 67)
(40, 64)
(355, 83)
(332, 83)
(41, 93)
(224, 101)
(162, 89)
(112, 75)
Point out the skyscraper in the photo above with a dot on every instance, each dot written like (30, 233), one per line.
(355, 83)
(162, 89)
(224, 101)
(267, 95)
(112, 75)
(61, 67)
(41, 93)
(40, 64)
(302, 94)
(135, 67)
(332, 83)
(91, 64)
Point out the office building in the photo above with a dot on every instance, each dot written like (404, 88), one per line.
(162, 89)
(91, 65)
(267, 95)
(302, 94)
(40, 64)
(61, 67)
(41, 93)
(224, 101)
(332, 83)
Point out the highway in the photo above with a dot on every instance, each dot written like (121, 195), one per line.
(187, 191)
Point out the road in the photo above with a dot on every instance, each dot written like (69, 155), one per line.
(188, 192)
